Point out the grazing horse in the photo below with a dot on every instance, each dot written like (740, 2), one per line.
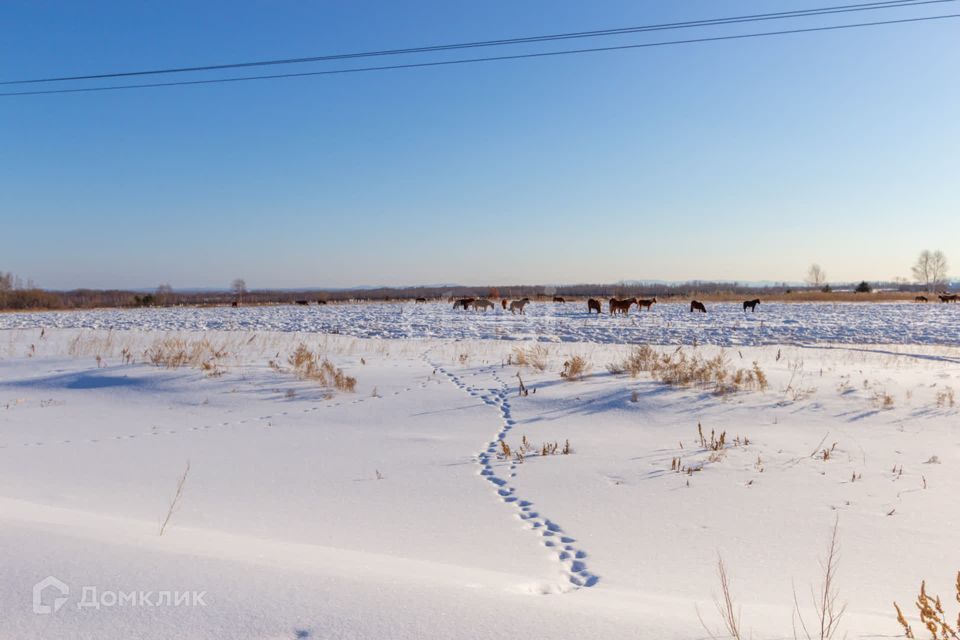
(593, 304)
(321, 302)
(921, 299)
(303, 302)
(420, 301)
(697, 306)
(558, 299)
(503, 303)
(751, 304)
(518, 305)
(233, 304)
(621, 306)
(948, 297)
(643, 303)
(463, 303)
(482, 303)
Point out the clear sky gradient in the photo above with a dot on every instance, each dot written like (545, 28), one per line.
(743, 160)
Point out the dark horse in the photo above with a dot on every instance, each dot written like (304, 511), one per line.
(645, 303)
(751, 304)
(420, 301)
(697, 306)
(950, 297)
(621, 306)
(463, 303)
(921, 299)
(558, 299)
(593, 305)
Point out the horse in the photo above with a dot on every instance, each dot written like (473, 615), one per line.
(503, 303)
(321, 302)
(518, 305)
(697, 306)
(420, 301)
(751, 304)
(463, 303)
(643, 303)
(303, 302)
(921, 299)
(593, 304)
(233, 304)
(482, 303)
(558, 299)
(621, 306)
(948, 297)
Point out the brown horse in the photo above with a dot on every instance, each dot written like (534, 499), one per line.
(645, 303)
(304, 302)
(948, 297)
(921, 299)
(697, 306)
(621, 306)
(503, 303)
(558, 299)
(420, 301)
(518, 305)
(482, 304)
(751, 304)
(593, 305)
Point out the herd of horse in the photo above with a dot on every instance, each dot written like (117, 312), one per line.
(616, 306)
(482, 304)
(621, 306)
(944, 297)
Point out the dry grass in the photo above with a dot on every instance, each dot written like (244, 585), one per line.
(534, 356)
(932, 615)
(310, 365)
(173, 353)
(829, 610)
(526, 449)
(882, 399)
(640, 359)
(178, 494)
(945, 398)
(575, 368)
(682, 369)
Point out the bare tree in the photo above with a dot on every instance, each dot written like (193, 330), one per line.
(239, 288)
(816, 276)
(6, 281)
(930, 269)
(164, 294)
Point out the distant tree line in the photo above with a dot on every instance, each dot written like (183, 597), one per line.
(929, 274)
(34, 298)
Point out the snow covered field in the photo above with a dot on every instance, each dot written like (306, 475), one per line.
(391, 511)
(725, 324)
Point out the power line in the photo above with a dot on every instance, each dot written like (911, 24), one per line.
(798, 13)
(520, 56)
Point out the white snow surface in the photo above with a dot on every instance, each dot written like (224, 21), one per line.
(671, 323)
(389, 512)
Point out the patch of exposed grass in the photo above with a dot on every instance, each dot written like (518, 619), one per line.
(574, 368)
(310, 365)
(534, 356)
(681, 368)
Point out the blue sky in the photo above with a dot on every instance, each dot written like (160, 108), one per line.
(743, 160)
